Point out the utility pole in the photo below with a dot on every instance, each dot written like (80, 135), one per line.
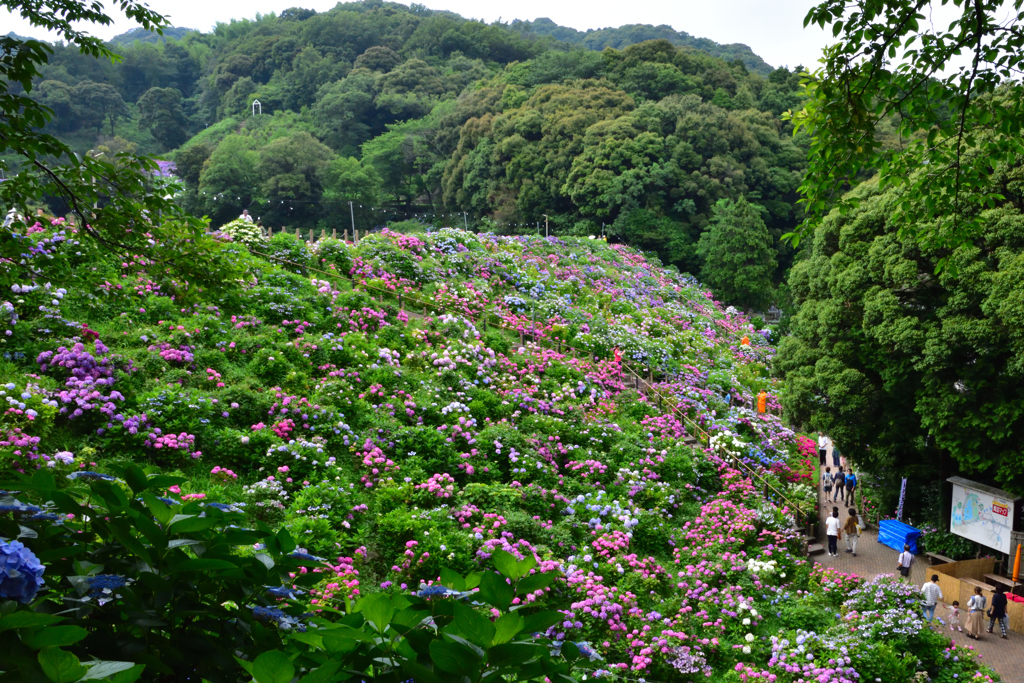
(352, 214)
(545, 224)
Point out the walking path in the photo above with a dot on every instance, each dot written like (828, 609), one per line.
(873, 558)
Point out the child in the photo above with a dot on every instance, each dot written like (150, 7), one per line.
(826, 484)
(954, 617)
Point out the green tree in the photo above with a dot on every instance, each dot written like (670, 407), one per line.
(346, 179)
(228, 179)
(160, 110)
(99, 103)
(111, 200)
(739, 261)
(290, 172)
(907, 368)
(891, 65)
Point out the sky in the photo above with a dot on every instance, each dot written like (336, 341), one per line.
(772, 28)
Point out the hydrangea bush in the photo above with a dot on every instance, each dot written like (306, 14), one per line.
(418, 409)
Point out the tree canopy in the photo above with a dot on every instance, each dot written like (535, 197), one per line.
(903, 366)
(952, 95)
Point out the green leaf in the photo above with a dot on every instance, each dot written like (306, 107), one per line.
(513, 654)
(506, 627)
(28, 620)
(273, 667)
(378, 609)
(322, 674)
(505, 563)
(136, 479)
(286, 541)
(495, 592)
(452, 579)
(161, 481)
(541, 621)
(453, 657)
(98, 670)
(472, 626)
(524, 566)
(160, 510)
(201, 565)
(60, 666)
(245, 664)
(337, 641)
(129, 675)
(570, 651)
(54, 636)
(535, 582)
(192, 524)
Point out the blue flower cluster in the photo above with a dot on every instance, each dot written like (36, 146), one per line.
(21, 572)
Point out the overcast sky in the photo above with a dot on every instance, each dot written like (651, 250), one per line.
(772, 28)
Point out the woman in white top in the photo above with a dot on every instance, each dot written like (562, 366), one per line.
(975, 614)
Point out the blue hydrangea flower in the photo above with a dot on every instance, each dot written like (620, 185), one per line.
(303, 555)
(92, 476)
(284, 592)
(105, 584)
(21, 572)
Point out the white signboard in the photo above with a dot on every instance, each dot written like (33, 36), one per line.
(984, 518)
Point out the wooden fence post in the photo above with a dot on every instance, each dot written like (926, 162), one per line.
(334, 233)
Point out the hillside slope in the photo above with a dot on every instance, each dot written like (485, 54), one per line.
(410, 405)
(631, 34)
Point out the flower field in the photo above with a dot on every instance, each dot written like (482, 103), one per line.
(207, 485)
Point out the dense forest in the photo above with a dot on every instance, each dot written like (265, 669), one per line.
(411, 113)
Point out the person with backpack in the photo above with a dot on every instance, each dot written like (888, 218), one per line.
(904, 562)
(839, 483)
(852, 531)
(826, 484)
(832, 533)
(975, 613)
(851, 485)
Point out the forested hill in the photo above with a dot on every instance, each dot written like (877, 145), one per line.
(414, 113)
(631, 34)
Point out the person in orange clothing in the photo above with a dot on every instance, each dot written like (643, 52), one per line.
(762, 402)
(745, 341)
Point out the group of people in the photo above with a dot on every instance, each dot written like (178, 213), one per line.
(834, 531)
(839, 484)
(976, 612)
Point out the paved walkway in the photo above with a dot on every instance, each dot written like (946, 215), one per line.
(873, 558)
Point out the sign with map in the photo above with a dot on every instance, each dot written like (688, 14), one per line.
(982, 514)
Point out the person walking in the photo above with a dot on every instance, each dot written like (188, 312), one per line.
(851, 485)
(852, 531)
(904, 562)
(839, 483)
(975, 612)
(823, 442)
(932, 594)
(835, 455)
(832, 533)
(826, 484)
(998, 611)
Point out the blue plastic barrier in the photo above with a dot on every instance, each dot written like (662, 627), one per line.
(897, 534)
